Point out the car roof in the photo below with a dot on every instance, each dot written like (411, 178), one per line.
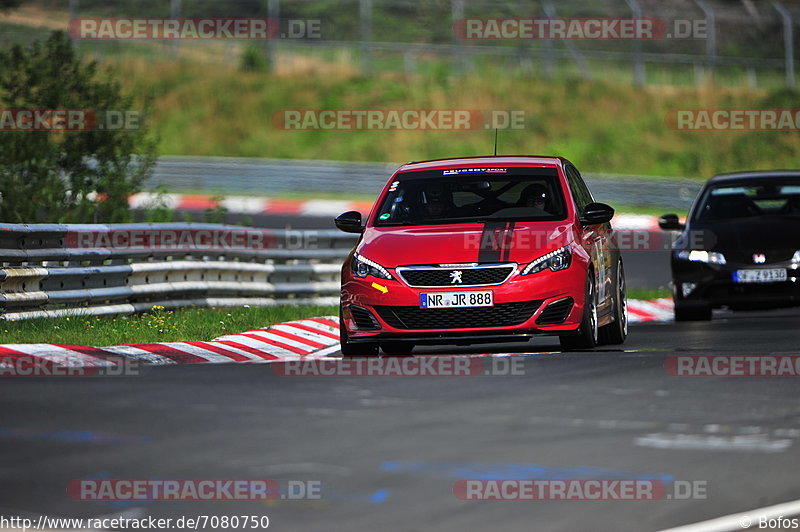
(496, 160)
(752, 176)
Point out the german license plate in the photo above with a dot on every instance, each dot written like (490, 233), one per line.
(481, 298)
(774, 275)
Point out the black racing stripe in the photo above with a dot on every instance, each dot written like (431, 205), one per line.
(508, 241)
(491, 245)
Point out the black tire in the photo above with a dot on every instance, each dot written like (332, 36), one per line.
(616, 332)
(683, 313)
(358, 349)
(397, 348)
(587, 332)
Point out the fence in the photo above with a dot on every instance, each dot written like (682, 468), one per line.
(64, 270)
(742, 43)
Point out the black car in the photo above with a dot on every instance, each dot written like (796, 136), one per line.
(740, 246)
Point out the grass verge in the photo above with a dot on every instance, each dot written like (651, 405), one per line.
(159, 325)
(649, 293)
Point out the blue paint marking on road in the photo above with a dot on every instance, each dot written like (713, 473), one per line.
(380, 496)
(483, 471)
(71, 436)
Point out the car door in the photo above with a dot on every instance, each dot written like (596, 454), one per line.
(594, 238)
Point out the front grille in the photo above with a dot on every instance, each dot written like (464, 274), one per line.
(555, 313)
(739, 256)
(500, 315)
(443, 276)
(364, 319)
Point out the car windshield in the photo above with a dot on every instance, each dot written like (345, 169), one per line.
(735, 201)
(472, 195)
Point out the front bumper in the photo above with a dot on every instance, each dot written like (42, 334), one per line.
(715, 286)
(519, 303)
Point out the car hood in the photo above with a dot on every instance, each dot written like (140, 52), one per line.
(490, 242)
(752, 235)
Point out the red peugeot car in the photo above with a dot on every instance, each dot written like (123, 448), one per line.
(483, 249)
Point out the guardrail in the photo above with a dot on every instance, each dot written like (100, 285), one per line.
(64, 270)
(235, 175)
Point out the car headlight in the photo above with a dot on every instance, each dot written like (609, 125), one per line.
(796, 257)
(709, 257)
(559, 259)
(362, 266)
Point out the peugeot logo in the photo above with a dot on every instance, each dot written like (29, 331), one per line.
(759, 258)
(455, 277)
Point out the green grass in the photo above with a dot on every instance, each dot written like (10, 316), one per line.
(204, 105)
(648, 293)
(602, 126)
(644, 209)
(172, 326)
(156, 326)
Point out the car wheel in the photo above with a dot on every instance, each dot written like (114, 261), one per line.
(350, 349)
(616, 332)
(683, 313)
(587, 332)
(397, 348)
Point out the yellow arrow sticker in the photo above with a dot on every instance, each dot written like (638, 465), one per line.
(380, 287)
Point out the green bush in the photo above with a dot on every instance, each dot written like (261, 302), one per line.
(79, 176)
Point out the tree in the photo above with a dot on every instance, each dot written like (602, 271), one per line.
(9, 4)
(82, 176)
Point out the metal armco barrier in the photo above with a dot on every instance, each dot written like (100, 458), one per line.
(66, 270)
(232, 175)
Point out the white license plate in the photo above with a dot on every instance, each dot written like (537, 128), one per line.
(481, 298)
(775, 275)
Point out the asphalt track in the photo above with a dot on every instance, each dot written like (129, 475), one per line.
(387, 450)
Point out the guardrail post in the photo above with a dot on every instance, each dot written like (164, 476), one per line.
(711, 37)
(73, 10)
(457, 11)
(365, 23)
(410, 63)
(638, 65)
(788, 42)
(274, 15)
(175, 12)
(586, 72)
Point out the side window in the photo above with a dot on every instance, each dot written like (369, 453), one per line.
(579, 190)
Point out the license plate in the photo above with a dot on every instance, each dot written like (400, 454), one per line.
(456, 299)
(775, 275)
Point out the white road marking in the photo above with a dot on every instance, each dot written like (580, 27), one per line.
(257, 344)
(140, 355)
(702, 442)
(742, 520)
(60, 355)
(199, 352)
(302, 333)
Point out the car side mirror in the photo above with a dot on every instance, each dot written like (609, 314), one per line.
(597, 213)
(670, 222)
(349, 222)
